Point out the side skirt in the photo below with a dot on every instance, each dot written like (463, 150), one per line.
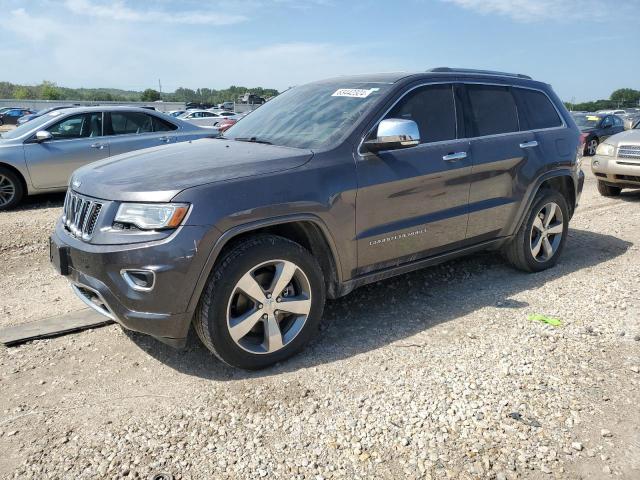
(383, 274)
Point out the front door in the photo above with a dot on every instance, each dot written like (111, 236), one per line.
(76, 141)
(413, 202)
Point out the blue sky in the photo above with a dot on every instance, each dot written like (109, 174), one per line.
(576, 45)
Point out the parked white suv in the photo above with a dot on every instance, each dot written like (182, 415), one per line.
(617, 163)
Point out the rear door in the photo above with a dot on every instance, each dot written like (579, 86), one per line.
(77, 140)
(130, 131)
(412, 203)
(499, 151)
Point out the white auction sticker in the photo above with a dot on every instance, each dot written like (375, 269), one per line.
(354, 92)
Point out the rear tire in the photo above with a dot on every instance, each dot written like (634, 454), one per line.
(590, 146)
(540, 239)
(11, 189)
(245, 313)
(608, 190)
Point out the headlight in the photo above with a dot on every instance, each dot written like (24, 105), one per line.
(606, 150)
(152, 216)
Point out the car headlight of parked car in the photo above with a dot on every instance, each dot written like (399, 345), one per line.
(152, 216)
(606, 150)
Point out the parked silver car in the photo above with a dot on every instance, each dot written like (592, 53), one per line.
(206, 118)
(40, 156)
(616, 164)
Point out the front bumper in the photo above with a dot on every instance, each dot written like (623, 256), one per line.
(163, 312)
(616, 171)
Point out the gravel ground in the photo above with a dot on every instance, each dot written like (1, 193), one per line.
(435, 374)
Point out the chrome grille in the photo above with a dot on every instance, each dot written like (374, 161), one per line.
(80, 215)
(629, 151)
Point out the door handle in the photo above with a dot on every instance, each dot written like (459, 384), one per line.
(164, 139)
(99, 146)
(530, 144)
(452, 157)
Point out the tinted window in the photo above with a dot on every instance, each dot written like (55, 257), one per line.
(123, 123)
(160, 125)
(83, 125)
(617, 121)
(535, 110)
(607, 122)
(492, 110)
(433, 109)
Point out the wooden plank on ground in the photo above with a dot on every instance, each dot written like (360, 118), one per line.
(52, 326)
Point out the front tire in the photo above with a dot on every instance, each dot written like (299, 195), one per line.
(11, 189)
(262, 303)
(540, 240)
(608, 190)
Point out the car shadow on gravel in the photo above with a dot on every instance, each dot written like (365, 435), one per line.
(389, 311)
(46, 200)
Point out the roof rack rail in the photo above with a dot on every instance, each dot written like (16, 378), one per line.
(471, 70)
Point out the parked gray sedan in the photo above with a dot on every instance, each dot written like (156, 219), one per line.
(41, 155)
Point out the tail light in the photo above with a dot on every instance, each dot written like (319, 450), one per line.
(225, 125)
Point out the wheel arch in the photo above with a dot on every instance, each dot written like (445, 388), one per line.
(559, 180)
(18, 173)
(306, 230)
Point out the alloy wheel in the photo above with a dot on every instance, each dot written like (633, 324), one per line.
(546, 232)
(269, 306)
(592, 146)
(7, 190)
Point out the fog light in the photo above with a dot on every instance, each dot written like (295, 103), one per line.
(596, 163)
(140, 280)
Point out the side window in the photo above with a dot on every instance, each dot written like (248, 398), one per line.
(161, 125)
(492, 110)
(123, 123)
(617, 121)
(84, 125)
(432, 107)
(607, 122)
(535, 110)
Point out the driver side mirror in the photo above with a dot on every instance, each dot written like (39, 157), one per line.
(394, 134)
(43, 136)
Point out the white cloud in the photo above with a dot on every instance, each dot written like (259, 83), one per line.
(119, 11)
(557, 10)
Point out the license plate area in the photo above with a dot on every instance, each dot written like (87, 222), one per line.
(59, 257)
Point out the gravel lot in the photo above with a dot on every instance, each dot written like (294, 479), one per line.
(435, 374)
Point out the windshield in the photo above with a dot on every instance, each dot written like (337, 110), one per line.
(311, 116)
(26, 127)
(587, 121)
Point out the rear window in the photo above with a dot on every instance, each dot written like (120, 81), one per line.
(535, 110)
(161, 125)
(123, 123)
(493, 110)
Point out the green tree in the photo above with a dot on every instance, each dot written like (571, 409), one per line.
(22, 93)
(626, 97)
(49, 91)
(150, 95)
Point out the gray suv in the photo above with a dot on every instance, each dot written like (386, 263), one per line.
(327, 187)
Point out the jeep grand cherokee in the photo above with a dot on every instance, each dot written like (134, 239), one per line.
(327, 187)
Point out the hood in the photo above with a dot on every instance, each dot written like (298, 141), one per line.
(588, 129)
(158, 174)
(630, 137)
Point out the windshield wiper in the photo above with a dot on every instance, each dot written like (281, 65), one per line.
(252, 140)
